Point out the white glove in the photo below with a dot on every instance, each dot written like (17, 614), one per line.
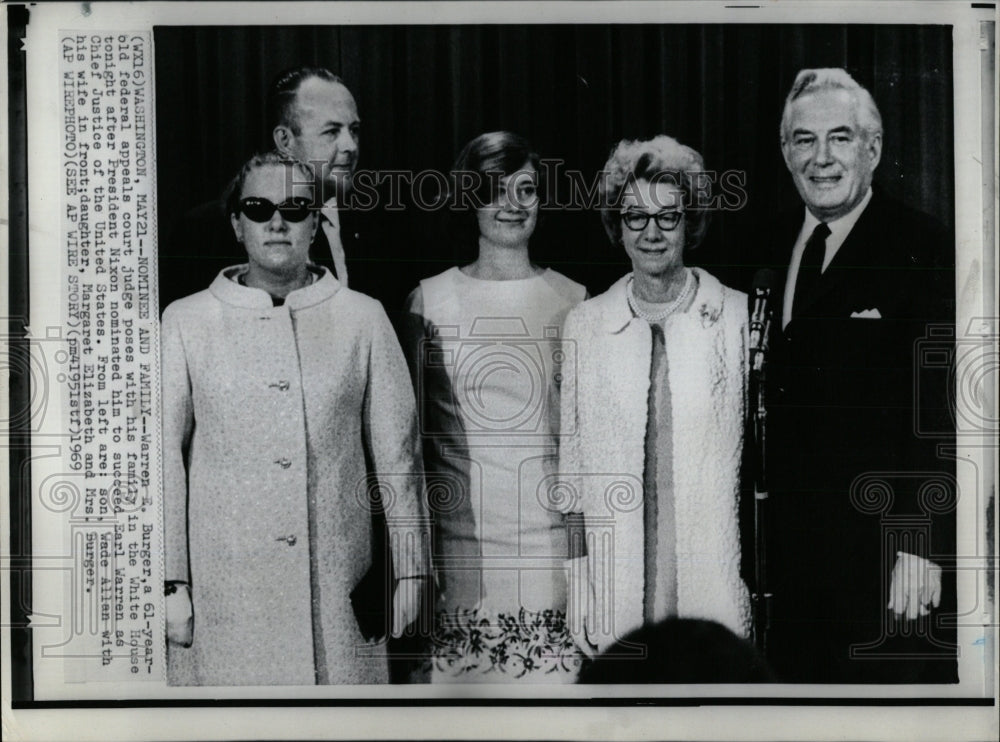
(580, 601)
(180, 616)
(405, 604)
(916, 586)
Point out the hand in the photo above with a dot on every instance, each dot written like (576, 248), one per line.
(579, 599)
(180, 616)
(916, 586)
(405, 604)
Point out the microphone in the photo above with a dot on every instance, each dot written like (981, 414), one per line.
(760, 317)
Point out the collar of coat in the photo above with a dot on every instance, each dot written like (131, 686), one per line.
(228, 290)
(613, 303)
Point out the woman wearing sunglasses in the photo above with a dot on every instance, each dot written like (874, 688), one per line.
(286, 404)
(486, 347)
(657, 413)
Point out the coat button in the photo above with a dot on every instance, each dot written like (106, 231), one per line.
(281, 386)
(283, 463)
(290, 540)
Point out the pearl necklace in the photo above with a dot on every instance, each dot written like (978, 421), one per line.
(669, 308)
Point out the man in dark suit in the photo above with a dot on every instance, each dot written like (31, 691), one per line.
(316, 122)
(314, 119)
(862, 506)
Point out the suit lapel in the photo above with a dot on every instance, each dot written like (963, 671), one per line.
(841, 280)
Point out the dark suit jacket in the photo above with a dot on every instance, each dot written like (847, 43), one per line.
(853, 478)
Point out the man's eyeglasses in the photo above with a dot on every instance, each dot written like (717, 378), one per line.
(261, 210)
(665, 220)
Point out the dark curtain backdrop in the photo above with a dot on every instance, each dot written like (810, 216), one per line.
(423, 91)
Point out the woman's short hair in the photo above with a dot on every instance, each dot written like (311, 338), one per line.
(832, 78)
(234, 191)
(660, 159)
(475, 177)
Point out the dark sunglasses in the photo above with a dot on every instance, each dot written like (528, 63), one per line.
(261, 210)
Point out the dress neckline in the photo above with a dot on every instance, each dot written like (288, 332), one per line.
(500, 282)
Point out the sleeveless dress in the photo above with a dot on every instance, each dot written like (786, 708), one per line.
(487, 360)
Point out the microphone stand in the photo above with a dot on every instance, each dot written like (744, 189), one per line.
(761, 597)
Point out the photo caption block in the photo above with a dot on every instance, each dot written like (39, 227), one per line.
(111, 396)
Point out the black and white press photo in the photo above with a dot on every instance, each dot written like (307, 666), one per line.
(587, 363)
(490, 369)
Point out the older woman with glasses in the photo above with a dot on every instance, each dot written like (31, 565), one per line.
(286, 405)
(653, 419)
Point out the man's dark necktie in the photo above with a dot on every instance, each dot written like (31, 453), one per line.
(810, 267)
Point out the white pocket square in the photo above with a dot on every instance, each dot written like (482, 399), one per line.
(867, 314)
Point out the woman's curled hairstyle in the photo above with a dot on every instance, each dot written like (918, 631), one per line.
(660, 159)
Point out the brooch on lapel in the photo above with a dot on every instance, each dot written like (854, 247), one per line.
(867, 314)
(708, 314)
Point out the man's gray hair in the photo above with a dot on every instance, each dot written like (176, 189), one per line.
(832, 78)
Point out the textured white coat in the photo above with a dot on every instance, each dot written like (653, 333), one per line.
(274, 420)
(602, 452)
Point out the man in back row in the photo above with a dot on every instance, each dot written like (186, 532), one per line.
(313, 118)
(857, 541)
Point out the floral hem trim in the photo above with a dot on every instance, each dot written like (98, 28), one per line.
(530, 643)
